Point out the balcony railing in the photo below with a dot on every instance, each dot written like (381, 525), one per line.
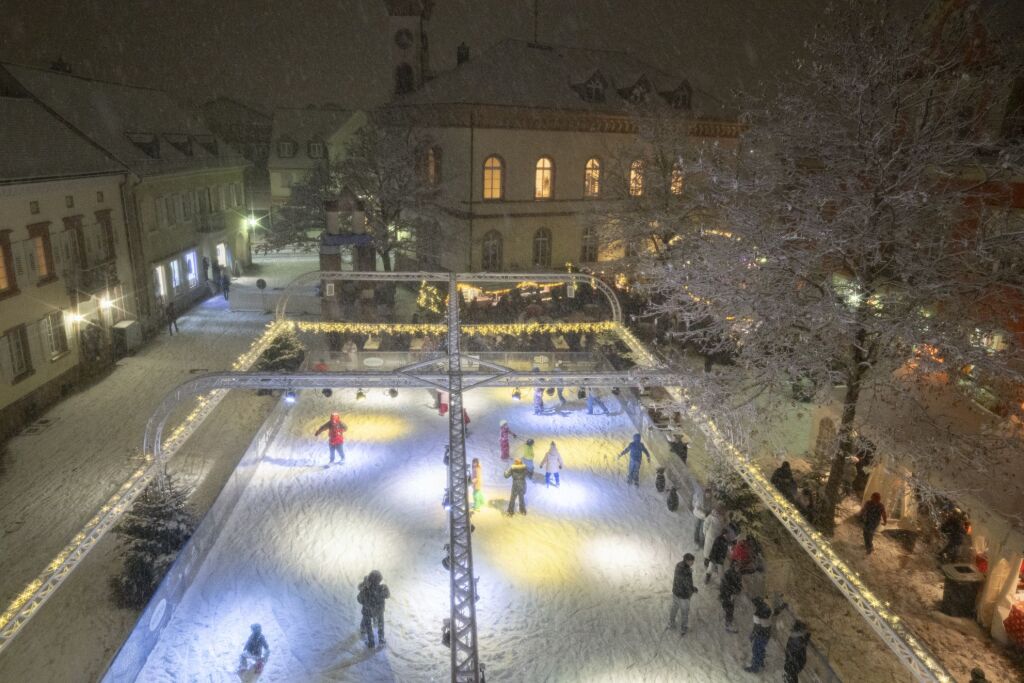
(93, 277)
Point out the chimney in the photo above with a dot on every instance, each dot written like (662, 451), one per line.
(332, 211)
(462, 53)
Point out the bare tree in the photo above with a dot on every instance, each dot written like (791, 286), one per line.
(394, 174)
(858, 254)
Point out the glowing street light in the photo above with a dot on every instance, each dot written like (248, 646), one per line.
(106, 303)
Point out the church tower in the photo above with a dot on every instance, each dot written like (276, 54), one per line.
(408, 38)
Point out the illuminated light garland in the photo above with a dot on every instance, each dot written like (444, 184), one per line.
(433, 329)
(821, 550)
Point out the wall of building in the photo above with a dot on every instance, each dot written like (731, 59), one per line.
(56, 365)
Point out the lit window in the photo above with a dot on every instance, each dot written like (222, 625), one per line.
(41, 247)
(190, 269)
(636, 178)
(592, 178)
(17, 347)
(56, 334)
(542, 248)
(588, 248)
(676, 182)
(5, 280)
(175, 274)
(494, 178)
(545, 178)
(492, 251)
(160, 282)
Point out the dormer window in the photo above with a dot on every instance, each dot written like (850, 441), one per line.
(207, 142)
(593, 89)
(147, 142)
(315, 149)
(638, 92)
(286, 148)
(681, 97)
(182, 143)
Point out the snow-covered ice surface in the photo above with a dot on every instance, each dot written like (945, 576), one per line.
(577, 590)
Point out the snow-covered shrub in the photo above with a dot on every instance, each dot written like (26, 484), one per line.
(151, 534)
(284, 353)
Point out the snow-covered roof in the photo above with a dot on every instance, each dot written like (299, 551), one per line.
(141, 127)
(34, 145)
(305, 125)
(522, 74)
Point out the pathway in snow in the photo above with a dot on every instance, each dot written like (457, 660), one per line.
(577, 590)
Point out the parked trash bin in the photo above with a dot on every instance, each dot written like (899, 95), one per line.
(960, 591)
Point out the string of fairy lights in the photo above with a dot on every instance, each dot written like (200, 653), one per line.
(430, 298)
(434, 329)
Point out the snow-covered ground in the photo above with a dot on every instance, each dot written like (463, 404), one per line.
(577, 590)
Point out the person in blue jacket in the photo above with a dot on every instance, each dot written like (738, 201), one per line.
(636, 450)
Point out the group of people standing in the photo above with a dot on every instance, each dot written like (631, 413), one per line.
(520, 471)
(735, 559)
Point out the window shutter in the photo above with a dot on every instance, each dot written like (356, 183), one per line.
(35, 344)
(6, 370)
(46, 337)
(28, 248)
(18, 252)
(57, 249)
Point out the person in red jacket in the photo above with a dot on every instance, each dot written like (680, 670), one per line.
(335, 429)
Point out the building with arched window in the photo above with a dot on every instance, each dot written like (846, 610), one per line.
(636, 178)
(507, 207)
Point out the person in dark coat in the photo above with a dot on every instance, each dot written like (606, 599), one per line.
(682, 590)
(172, 319)
(715, 560)
(518, 473)
(372, 594)
(731, 586)
(216, 276)
(256, 650)
(954, 530)
(225, 283)
(871, 515)
(782, 479)
(636, 450)
(761, 633)
(796, 652)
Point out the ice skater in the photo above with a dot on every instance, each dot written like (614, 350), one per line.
(477, 477)
(538, 401)
(594, 399)
(255, 652)
(517, 472)
(335, 429)
(504, 433)
(552, 465)
(636, 450)
(528, 458)
(372, 594)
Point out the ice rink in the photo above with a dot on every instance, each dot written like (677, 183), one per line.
(577, 590)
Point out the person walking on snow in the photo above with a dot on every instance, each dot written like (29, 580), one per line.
(335, 429)
(796, 652)
(528, 458)
(731, 586)
(255, 652)
(225, 283)
(538, 401)
(761, 633)
(714, 560)
(682, 590)
(871, 515)
(700, 513)
(517, 472)
(713, 526)
(478, 484)
(552, 465)
(372, 594)
(636, 450)
(504, 432)
(172, 318)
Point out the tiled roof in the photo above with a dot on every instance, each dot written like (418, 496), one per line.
(141, 127)
(517, 73)
(34, 145)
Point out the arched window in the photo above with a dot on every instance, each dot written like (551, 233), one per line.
(676, 181)
(494, 177)
(588, 245)
(542, 248)
(491, 257)
(592, 178)
(432, 166)
(405, 81)
(544, 183)
(636, 178)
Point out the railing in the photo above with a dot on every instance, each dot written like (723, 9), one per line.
(91, 279)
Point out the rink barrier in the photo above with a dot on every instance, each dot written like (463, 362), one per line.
(130, 659)
(818, 669)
